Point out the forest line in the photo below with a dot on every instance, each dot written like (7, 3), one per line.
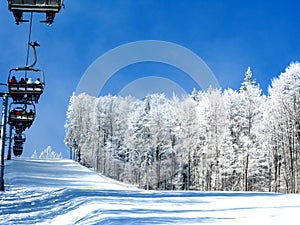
(209, 140)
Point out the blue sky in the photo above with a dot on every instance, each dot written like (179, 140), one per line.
(228, 35)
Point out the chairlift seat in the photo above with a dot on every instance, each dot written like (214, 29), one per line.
(35, 5)
(18, 150)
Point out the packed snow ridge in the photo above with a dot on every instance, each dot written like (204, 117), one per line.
(59, 191)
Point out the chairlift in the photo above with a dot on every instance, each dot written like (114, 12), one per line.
(20, 89)
(50, 7)
(21, 116)
(19, 138)
(21, 86)
(18, 150)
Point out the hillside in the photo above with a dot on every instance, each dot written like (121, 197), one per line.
(63, 192)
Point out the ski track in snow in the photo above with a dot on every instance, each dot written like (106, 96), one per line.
(63, 192)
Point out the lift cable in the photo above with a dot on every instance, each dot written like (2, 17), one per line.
(29, 39)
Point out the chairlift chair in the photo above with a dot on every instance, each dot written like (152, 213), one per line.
(19, 138)
(23, 91)
(18, 150)
(50, 7)
(21, 117)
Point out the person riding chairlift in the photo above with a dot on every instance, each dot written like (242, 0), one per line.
(29, 81)
(13, 80)
(22, 81)
(24, 112)
(29, 84)
(50, 17)
(18, 16)
(38, 81)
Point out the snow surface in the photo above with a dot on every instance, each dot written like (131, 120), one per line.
(64, 192)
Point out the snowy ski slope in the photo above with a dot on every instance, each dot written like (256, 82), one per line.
(63, 192)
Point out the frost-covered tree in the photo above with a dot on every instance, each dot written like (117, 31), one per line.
(284, 103)
(212, 124)
(235, 140)
(250, 119)
(161, 125)
(34, 155)
(138, 141)
(189, 141)
(232, 153)
(47, 153)
(78, 132)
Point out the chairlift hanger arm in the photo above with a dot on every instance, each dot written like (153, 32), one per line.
(31, 67)
(33, 45)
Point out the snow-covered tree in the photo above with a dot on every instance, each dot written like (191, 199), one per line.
(189, 141)
(250, 119)
(212, 124)
(47, 153)
(34, 155)
(232, 153)
(284, 102)
(235, 140)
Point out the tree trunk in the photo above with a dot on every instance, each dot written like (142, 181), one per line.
(246, 172)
